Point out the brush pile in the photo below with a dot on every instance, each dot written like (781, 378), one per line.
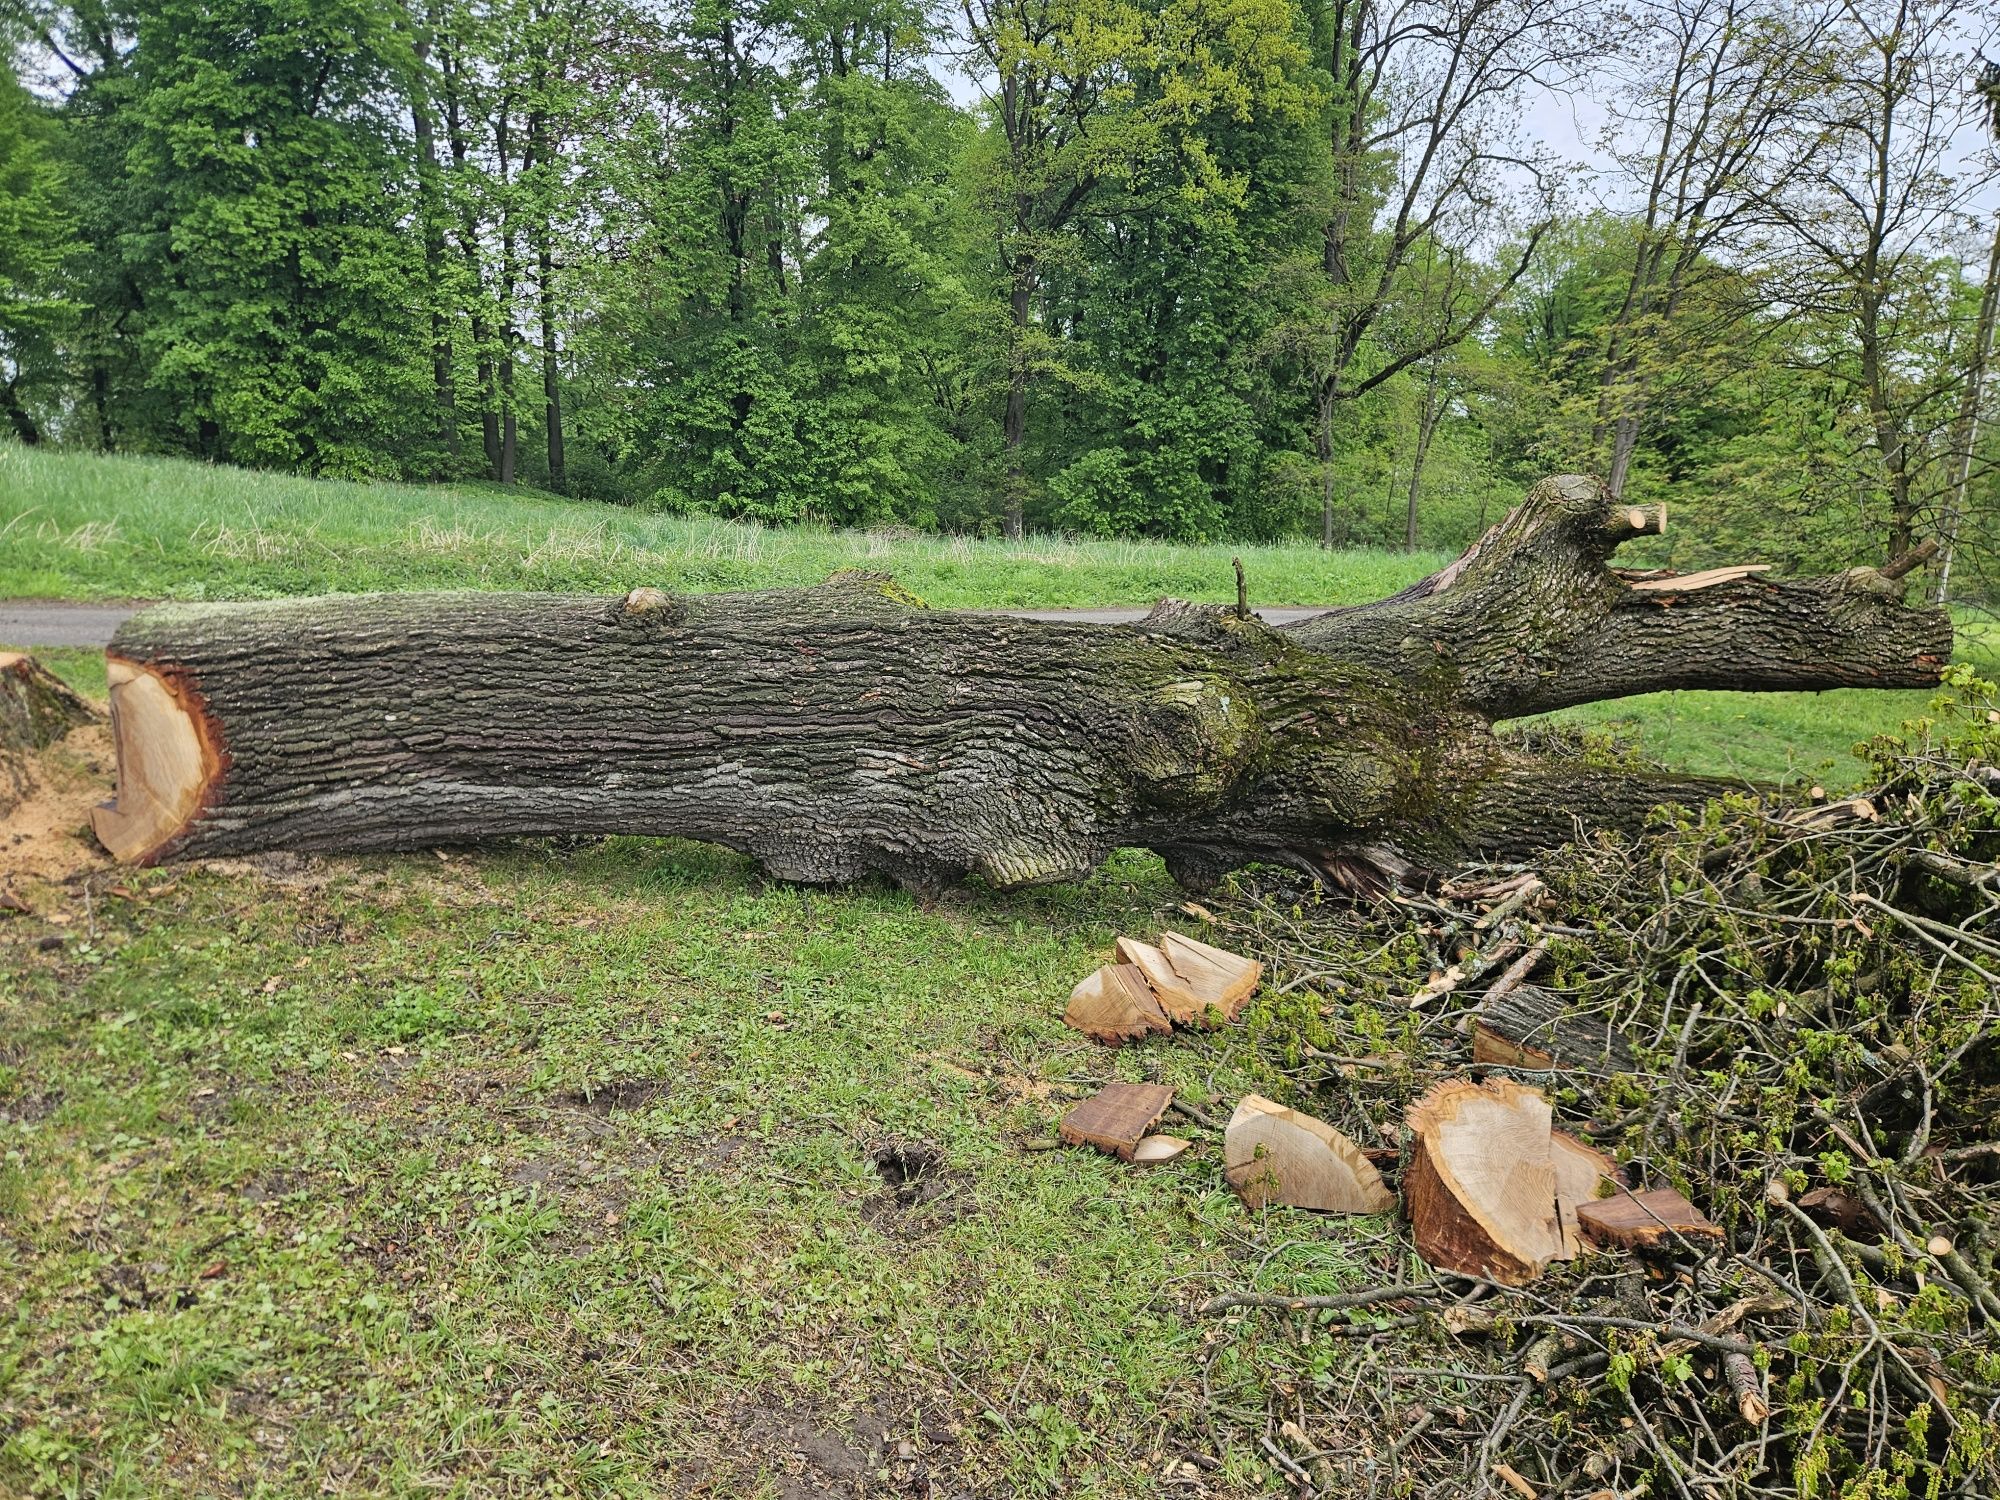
(1782, 1024)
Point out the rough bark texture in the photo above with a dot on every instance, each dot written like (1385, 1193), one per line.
(845, 729)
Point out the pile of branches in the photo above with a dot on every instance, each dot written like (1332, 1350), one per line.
(1805, 1006)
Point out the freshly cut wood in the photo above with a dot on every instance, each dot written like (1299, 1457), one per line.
(37, 708)
(1581, 1170)
(1527, 1027)
(1480, 1191)
(1182, 1005)
(1687, 583)
(1643, 1221)
(1271, 1154)
(1117, 1117)
(1115, 1005)
(1221, 981)
(1155, 1149)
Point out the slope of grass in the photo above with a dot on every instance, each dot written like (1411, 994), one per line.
(545, 1173)
(85, 526)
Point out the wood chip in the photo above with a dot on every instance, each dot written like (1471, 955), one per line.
(1687, 583)
(1117, 1117)
(1155, 1149)
(1271, 1154)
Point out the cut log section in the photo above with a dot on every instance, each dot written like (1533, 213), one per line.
(1652, 1220)
(1527, 1027)
(1480, 1191)
(1117, 1117)
(1271, 1154)
(1182, 1005)
(1222, 982)
(1115, 1005)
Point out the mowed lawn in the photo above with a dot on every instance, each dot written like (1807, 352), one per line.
(549, 1173)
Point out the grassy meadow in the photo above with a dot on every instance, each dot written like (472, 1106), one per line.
(81, 526)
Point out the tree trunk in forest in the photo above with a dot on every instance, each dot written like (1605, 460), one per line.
(1014, 424)
(1965, 426)
(845, 729)
(427, 179)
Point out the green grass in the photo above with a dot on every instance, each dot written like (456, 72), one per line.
(83, 526)
(547, 1174)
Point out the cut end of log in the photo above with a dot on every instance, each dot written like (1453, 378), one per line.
(1272, 1154)
(1481, 1188)
(1115, 1005)
(1181, 1004)
(1579, 1171)
(167, 764)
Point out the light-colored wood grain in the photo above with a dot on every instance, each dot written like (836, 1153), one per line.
(1272, 1154)
(1114, 1004)
(164, 764)
(1481, 1188)
(1182, 1005)
(1579, 1170)
(1220, 980)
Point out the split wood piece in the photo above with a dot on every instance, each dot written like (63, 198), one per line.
(1687, 583)
(1580, 1170)
(1527, 1027)
(1837, 814)
(1643, 1221)
(1746, 1388)
(1480, 1191)
(1155, 1149)
(1117, 1117)
(1182, 1005)
(37, 708)
(1271, 1154)
(1223, 982)
(1115, 1005)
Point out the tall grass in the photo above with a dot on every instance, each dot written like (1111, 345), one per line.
(84, 526)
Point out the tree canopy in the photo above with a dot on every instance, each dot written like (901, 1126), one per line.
(1237, 268)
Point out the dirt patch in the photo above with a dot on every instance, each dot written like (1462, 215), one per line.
(877, 1450)
(920, 1193)
(621, 1094)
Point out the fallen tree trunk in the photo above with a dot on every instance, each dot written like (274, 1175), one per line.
(845, 729)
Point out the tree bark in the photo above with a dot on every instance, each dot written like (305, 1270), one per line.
(836, 731)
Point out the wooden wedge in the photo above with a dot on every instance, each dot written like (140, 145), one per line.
(1271, 1154)
(1115, 1004)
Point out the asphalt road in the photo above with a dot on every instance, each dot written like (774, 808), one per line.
(42, 622)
